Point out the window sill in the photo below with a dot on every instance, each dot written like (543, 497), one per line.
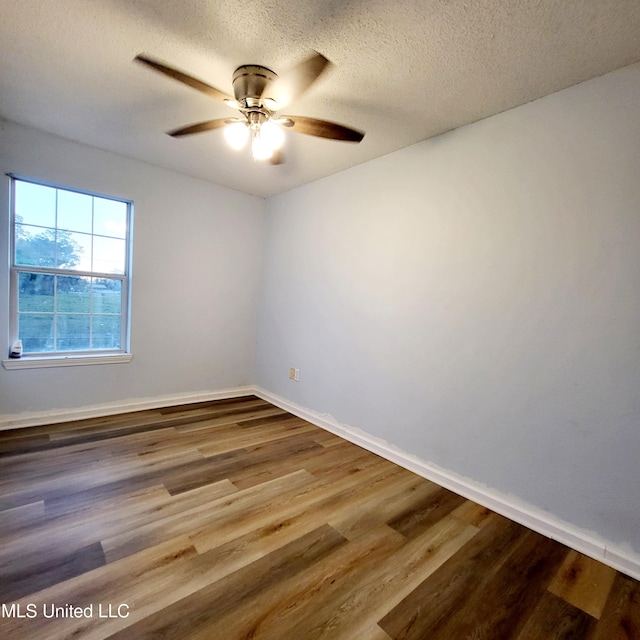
(64, 361)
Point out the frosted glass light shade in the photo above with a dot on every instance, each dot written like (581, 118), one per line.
(236, 134)
(260, 148)
(272, 134)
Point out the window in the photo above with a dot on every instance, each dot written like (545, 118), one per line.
(70, 271)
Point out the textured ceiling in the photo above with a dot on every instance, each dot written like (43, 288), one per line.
(404, 70)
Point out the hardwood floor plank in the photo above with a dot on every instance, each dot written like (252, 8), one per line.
(150, 515)
(292, 452)
(113, 517)
(371, 594)
(28, 515)
(281, 415)
(278, 611)
(22, 443)
(518, 585)
(319, 463)
(382, 507)
(137, 475)
(556, 619)
(429, 605)
(311, 503)
(237, 463)
(108, 476)
(473, 513)
(255, 435)
(213, 405)
(67, 532)
(583, 582)
(327, 439)
(620, 619)
(216, 522)
(147, 583)
(517, 581)
(374, 632)
(230, 419)
(338, 462)
(87, 431)
(46, 569)
(419, 517)
(36, 466)
(156, 418)
(201, 610)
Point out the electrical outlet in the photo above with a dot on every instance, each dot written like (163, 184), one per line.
(294, 374)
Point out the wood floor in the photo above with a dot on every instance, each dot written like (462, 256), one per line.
(234, 519)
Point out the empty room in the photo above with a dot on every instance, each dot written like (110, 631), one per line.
(321, 320)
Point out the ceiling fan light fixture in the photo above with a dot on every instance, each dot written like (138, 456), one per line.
(270, 104)
(260, 147)
(236, 134)
(272, 134)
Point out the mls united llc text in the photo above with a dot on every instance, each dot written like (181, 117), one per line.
(16, 610)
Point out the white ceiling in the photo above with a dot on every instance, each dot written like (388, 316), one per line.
(405, 70)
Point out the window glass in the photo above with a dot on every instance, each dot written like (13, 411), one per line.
(106, 296)
(35, 204)
(35, 246)
(73, 294)
(109, 218)
(106, 332)
(35, 292)
(36, 332)
(73, 250)
(75, 211)
(58, 233)
(73, 332)
(108, 255)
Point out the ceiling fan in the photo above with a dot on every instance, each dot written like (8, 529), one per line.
(258, 94)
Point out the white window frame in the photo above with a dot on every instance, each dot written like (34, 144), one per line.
(69, 358)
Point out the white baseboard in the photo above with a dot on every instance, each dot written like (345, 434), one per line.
(510, 506)
(36, 418)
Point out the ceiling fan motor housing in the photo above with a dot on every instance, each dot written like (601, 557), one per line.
(250, 82)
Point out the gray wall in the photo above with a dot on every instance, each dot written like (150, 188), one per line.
(475, 301)
(196, 270)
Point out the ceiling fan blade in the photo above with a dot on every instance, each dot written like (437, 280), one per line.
(322, 128)
(292, 84)
(199, 127)
(184, 78)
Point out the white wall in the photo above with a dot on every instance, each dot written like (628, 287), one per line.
(475, 301)
(196, 269)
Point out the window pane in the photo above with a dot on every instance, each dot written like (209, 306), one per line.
(35, 204)
(35, 292)
(73, 294)
(35, 246)
(106, 332)
(36, 332)
(109, 218)
(74, 211)
(58, 234)
(72, 332)
(73, 251)
(108, 255)
(107, 296)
